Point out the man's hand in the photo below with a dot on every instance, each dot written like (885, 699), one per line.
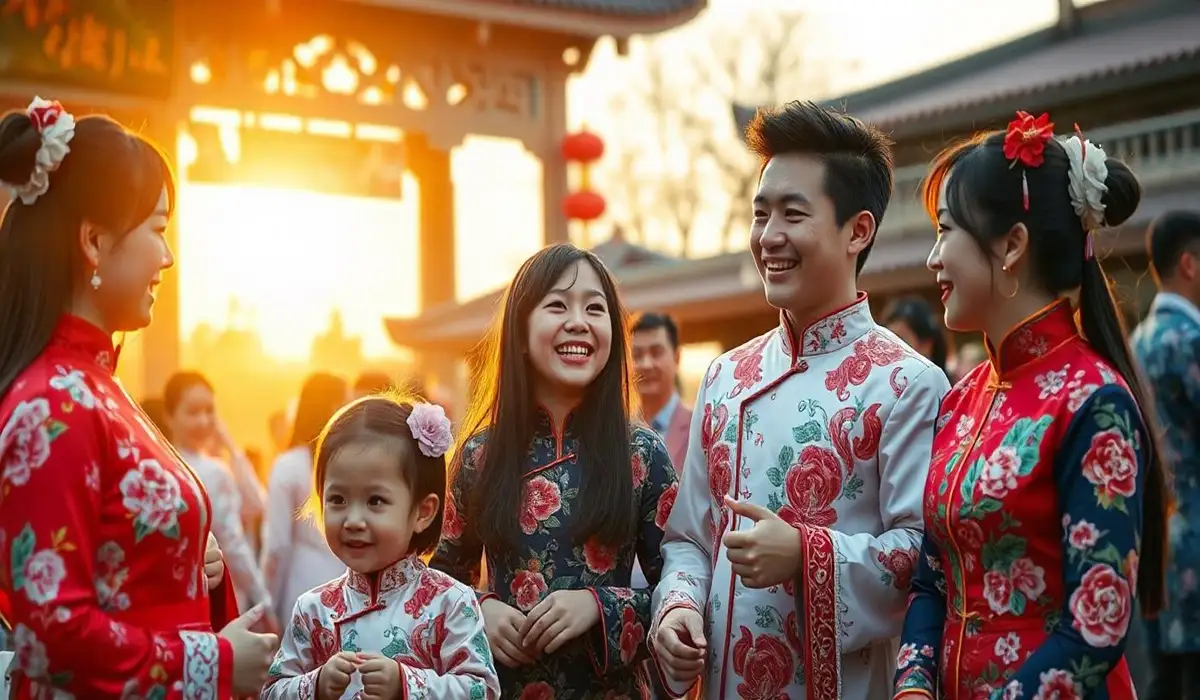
(679, 644)
(767, 554)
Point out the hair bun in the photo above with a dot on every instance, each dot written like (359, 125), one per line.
(19, 144)
(1124, 193)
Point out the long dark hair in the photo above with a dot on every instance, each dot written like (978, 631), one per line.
(111, 178)
(503, 403)
(320, 397)
(984, 195)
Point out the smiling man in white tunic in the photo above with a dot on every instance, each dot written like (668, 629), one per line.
(794, 535)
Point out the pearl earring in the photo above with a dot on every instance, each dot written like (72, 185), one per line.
(96, 281)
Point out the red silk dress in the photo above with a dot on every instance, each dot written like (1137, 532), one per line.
(1033, 515)
(102, 537)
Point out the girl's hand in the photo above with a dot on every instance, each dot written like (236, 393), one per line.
(214, 565)
(334, 677)
(503, 624)
(559, 618)
(380, 676)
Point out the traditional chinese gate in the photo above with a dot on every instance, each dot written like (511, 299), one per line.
(316, 67)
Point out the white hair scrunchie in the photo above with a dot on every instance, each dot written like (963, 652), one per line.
(1085, 180)
(56, 127)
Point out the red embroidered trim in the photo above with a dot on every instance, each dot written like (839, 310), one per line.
(822, 660)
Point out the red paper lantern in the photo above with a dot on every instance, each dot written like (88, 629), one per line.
(584, 206)
(583, 147)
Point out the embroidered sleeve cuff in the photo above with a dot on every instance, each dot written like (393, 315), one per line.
(913, 694)
(201, 664)
(598, 649)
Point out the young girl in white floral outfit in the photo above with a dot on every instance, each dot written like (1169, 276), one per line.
(389, 627)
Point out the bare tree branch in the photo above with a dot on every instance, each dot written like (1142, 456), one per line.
(677, 118)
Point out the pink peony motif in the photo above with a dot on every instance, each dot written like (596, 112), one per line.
(430, 428)
(1000, 473)
(1101, 606)
(997, 590)
(1083, 535)
(1056, 684)
(1028, 578)
(44, 572)
(1111, 465)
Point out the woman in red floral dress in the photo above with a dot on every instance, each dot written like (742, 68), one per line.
(560, 490)
(103, 530)
(1044, 506)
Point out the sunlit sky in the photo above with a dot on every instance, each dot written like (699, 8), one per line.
(291, 258)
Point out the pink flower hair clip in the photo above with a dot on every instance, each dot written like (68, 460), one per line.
(430, 428)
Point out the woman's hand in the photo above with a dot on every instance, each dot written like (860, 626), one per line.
(252, 652)
(503, 624)
(559, 618)
(214, 563)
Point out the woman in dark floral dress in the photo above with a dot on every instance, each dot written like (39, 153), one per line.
(559, 489)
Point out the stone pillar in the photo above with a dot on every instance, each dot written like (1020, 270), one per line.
(435, 251)
(554, 167)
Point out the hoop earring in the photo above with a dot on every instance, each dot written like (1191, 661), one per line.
(1016, 285)
(96, 281)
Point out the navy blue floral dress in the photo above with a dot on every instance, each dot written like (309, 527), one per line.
(606, 661)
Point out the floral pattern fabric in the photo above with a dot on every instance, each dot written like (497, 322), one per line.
(426, 621)
(1033, 511)
(1167, 346)
(832, 430)
(607, 661)
(102, 538)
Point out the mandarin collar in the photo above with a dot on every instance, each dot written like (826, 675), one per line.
(77, 336)
(387, 579)
(832, 332)
(1034, 337)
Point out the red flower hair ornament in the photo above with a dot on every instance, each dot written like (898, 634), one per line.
(1025, 142)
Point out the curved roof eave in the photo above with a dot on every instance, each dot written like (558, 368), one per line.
(563, 21)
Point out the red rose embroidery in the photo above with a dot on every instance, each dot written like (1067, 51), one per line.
(599, 558)
(632, 634)
(747, 368)
(812, 484)
(431, 585)
(720, 473)
(542, 499)
(1057, 685)
(1101, 607)
(1083, 535)
(873, 351)
(997, 590)
(1000, 473)
(900, 563)
(527, 588)
(537, 691)
(1111, 465)
(765, 665)
(639, 469)
(666, 502)
(452, 524)
(323, 642)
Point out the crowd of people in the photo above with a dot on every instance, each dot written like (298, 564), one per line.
(849, 509)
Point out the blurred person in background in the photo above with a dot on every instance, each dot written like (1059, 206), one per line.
(969, 356)
(191, 417)
(914, 321)
(1167, 346)
(295, 554)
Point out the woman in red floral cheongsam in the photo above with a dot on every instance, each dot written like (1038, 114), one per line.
(1044, 506)
(103, 530)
